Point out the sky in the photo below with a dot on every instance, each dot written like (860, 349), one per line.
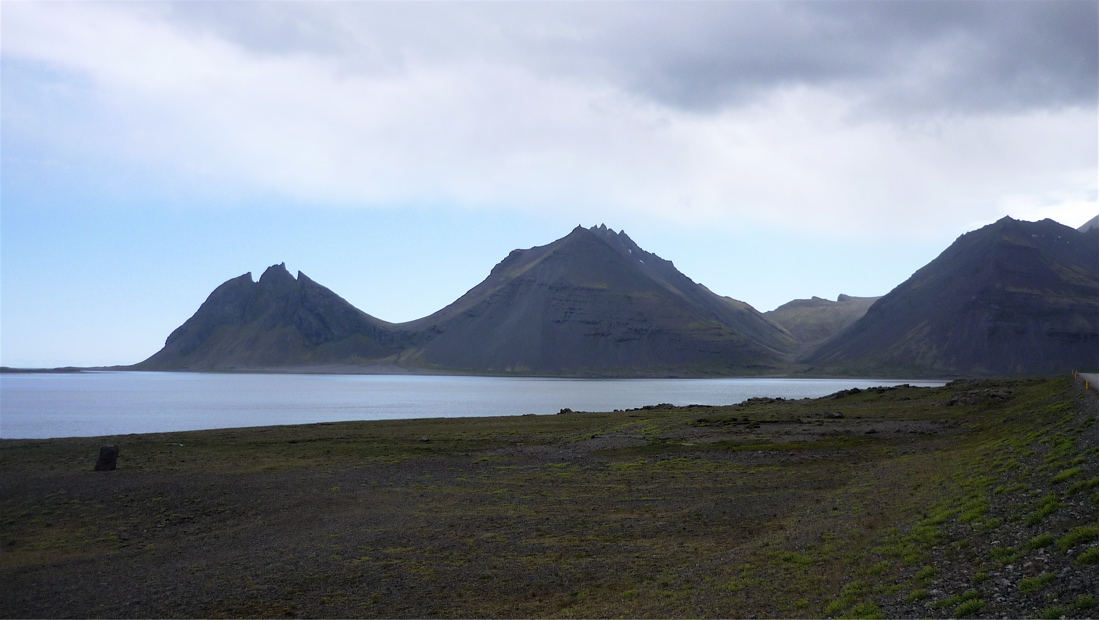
(396, 151)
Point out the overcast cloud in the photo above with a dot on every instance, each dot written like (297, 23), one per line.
(834, 116)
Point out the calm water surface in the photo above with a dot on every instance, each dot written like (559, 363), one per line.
(112, 403)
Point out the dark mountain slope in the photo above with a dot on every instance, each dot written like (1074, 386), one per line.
(1010, 298)
(594, 302)
(279, 321)
(813, 321)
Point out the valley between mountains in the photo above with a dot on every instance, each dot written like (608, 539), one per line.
(1012, 298)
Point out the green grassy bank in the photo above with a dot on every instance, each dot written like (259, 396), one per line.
(976, 499)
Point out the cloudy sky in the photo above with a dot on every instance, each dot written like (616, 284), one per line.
(396, 151)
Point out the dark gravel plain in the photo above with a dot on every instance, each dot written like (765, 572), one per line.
(891, 502)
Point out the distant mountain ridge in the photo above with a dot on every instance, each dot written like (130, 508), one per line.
(1010, 298)
(812, 321)
(1089, 225)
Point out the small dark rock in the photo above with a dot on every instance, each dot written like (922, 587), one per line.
(108, 458)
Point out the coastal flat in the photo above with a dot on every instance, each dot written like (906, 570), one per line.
(902, 502)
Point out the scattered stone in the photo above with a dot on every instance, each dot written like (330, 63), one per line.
(976, 397)
(762, 400)
(108, 458)
(425, 438)
(845, 393)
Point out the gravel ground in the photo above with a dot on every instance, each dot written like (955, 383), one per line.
(764, 509)
(966, 570)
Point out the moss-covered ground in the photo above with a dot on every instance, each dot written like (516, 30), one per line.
(976, 499)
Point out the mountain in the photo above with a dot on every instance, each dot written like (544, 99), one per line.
(591, 303)
(594, 302)
(813, 321)
(1010, 298)
(279, 321)
(1091, 224)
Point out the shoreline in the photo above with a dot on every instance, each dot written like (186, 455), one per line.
(209, 401)
(394, 370)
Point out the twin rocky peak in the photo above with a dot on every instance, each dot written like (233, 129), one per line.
(1011, 298)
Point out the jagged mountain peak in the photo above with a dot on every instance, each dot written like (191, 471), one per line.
(275, 274)
(604, 233)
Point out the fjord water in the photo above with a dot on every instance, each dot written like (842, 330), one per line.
(113, 403)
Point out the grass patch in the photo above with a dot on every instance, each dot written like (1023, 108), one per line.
(1077, 536)
(1052, 613)
(1010, 488)
(866, 609)
(926, 574)
(850, 594)
(918, 594)
(1089, 557)
(1065, 474)
(957, 599)
(1039, 541)
(1046, 507)
(1032, 584)
(1004, 555)
(968, 608)
(1083, 485)
(793, 557)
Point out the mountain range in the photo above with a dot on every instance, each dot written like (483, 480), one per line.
(1011, 298)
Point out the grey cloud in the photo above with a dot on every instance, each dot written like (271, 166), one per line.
(929, 56)
(910, 56)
